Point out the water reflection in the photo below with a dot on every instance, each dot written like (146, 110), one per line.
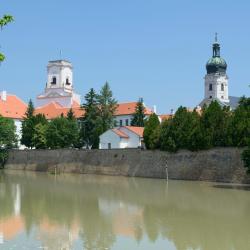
(101, 212)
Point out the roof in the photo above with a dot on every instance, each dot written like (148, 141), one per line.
(120, 133)
(54, 109)
(165, 117)
(128, 108)
(137, 130)
(13, 107)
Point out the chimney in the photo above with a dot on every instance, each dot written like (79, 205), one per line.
(3, 95)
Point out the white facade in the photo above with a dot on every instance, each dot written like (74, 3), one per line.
(112, 140)
(59, 86)
(123, 120)
(216, 87)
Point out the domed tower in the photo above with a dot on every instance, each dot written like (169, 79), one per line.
(216, 80)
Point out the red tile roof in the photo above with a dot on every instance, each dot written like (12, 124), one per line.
(13, 107)
(165, 117)
(120, 133)
(128, 108)
(54, 109)
(137, 130)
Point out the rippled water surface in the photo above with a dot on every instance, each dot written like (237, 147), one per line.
(43, 211)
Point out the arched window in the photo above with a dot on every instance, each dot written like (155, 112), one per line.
(222, 87)
(210, 87)
(53, 80)
(67, 81)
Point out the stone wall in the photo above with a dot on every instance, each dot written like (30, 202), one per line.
(220, 164)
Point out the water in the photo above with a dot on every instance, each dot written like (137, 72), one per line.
(43, 211)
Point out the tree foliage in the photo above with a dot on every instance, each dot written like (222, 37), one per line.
(149, 135)
(3, 22)
(107, 106)
(138, 119)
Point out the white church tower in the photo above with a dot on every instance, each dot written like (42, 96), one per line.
(59, 86)
(216, 79)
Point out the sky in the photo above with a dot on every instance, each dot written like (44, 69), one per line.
(154, 49)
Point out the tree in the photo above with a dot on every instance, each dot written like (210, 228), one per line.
(61, 133)
(138, 119)
(7, 138)
(91, 123)
(240, 125)
(3, 22)
(215, 123)
(148, 135)
(39, 140)
(107, 106)
(28, 125)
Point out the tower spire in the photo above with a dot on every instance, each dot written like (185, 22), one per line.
(216, 37)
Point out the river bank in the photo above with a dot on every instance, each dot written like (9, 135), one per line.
(219, 164)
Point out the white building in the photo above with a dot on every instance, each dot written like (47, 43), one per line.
(122, 137)
(13, 107)
(59, 86)
(216, 81)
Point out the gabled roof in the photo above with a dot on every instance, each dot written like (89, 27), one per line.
(136, 130)
(120, 133)
(128, 108)
(13, 107)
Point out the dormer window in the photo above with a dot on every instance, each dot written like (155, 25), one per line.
(53, 80)
(67, 81)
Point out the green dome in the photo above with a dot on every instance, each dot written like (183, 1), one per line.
(216, 64)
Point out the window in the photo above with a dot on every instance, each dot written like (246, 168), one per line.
(222, 87)
(53, 80)
(127, 122)
(222, 97)
(109, 145)
(120, 123)
(210, 97)
(67, 81)
(210, 87)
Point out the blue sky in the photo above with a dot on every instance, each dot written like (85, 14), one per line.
(155, 49)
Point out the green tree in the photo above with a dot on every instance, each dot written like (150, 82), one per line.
(61, 133)
(91, 122)
(240, 125)
(28, 125)
(107, 106)
(8, 138)
(216, 125)
(150, 138)
(39, 140)
(183, 131)
(138, 119)
(3, 22)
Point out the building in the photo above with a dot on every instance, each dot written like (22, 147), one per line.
(13, 107)
(122, 137)
(216, 81)
(59, 86)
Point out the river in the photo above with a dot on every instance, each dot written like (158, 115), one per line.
(44, 211)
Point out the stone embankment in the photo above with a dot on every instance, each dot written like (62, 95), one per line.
(219, 164)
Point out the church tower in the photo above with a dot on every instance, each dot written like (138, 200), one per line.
(59, 86)
(216, 79)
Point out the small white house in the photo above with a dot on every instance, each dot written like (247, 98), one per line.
(122, 137)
